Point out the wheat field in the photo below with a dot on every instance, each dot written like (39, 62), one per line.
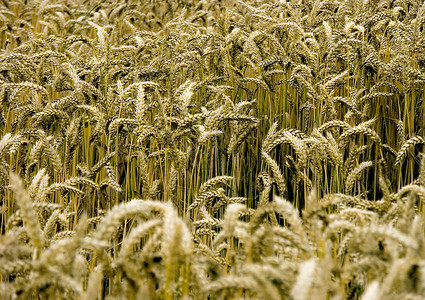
(182, 149)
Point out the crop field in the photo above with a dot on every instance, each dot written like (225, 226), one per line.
(182, 149)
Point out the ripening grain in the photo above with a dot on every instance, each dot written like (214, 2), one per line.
(187, 149)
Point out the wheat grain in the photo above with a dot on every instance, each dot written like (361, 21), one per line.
(211, 112)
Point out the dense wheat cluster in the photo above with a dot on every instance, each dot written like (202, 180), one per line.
(188, 149)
